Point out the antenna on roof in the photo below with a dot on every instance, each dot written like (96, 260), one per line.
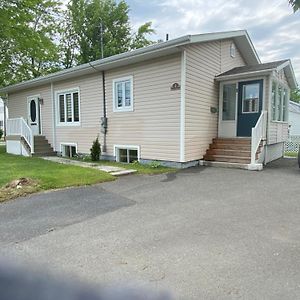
(101, 40)
(167, 37)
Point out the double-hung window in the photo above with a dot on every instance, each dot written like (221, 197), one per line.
(68, 107)
(123, 94)
(279, 102)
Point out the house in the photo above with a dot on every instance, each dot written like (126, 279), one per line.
(294, 118)
(203, 97)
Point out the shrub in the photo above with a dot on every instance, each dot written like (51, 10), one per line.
(96, 150)
(155, 164)
(1, 133)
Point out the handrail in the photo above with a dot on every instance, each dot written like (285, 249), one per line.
(18, 126)
(258, 133)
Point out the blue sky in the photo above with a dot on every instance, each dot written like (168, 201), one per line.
(272, 25)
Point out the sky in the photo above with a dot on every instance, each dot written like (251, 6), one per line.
(272, 25)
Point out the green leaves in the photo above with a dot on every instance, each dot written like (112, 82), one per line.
(42, 36)
(295, 95)
(87, 18)
(28, 30)
(295, 4)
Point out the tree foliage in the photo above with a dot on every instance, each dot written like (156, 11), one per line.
(91, 18)
(41, 36)
(295, 95)
(295, 4)
(28, 29)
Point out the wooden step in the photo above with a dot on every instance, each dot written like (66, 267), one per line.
(230, 146)
(244, 141)
(229, 152)
(227, 158)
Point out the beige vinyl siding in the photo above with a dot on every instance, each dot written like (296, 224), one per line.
(203, 63)
(154, 123)
(90, 90)
(228, 62)
(17, 107)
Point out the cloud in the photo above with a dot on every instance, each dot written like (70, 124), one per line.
(272, 25)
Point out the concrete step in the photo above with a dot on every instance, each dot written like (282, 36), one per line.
(227, 158)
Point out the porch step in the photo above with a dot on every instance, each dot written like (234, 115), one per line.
(230, 150)
(42, 147)
(244, 141)
(226, 158)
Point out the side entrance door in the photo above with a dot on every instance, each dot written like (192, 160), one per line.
(34, 115)
(250, 98)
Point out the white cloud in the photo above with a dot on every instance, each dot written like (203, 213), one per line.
(272, 25)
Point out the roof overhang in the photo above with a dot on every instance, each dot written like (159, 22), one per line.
(244, 75)
(289, 73)
(240, 37)
(286, 66)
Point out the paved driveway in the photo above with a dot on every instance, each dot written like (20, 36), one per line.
(203, 233)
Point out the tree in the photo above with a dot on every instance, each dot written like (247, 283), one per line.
(295, 95)
(295, 4)
(28, 29)
(87, 18)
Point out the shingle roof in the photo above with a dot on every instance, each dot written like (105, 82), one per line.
(258, 67)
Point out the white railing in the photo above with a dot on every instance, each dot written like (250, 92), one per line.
(19, 126)
(258, 133)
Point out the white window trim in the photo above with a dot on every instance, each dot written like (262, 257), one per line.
(125, 108)
(67, 124)
(128, 147)
(67, 144)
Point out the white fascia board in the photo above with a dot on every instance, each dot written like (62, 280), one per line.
(242, 75)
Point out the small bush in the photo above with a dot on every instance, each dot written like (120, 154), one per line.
(155, 164)
(96, 150)
(1, 133)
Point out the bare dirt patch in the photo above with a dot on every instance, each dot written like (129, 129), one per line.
(18, 187)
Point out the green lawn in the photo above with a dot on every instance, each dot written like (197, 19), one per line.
(46, 174)
(291, 154)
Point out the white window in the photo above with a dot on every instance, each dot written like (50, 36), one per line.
(123, 94)
(68, 150)
(279, 102)
(127, 154)
(232, 50)
(68, 107)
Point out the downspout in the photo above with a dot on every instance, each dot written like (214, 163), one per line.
(104, 118)
(53, 117)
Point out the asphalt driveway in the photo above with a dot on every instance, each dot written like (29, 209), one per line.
(202, 233)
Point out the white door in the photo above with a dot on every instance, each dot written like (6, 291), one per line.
(227, 110)
(34, 115)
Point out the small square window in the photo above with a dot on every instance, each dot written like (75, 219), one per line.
(127, 155)
(68, 150)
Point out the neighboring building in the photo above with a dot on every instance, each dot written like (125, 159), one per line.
(294, 118)
(199, 97)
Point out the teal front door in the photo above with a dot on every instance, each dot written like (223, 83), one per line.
(250, 99)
